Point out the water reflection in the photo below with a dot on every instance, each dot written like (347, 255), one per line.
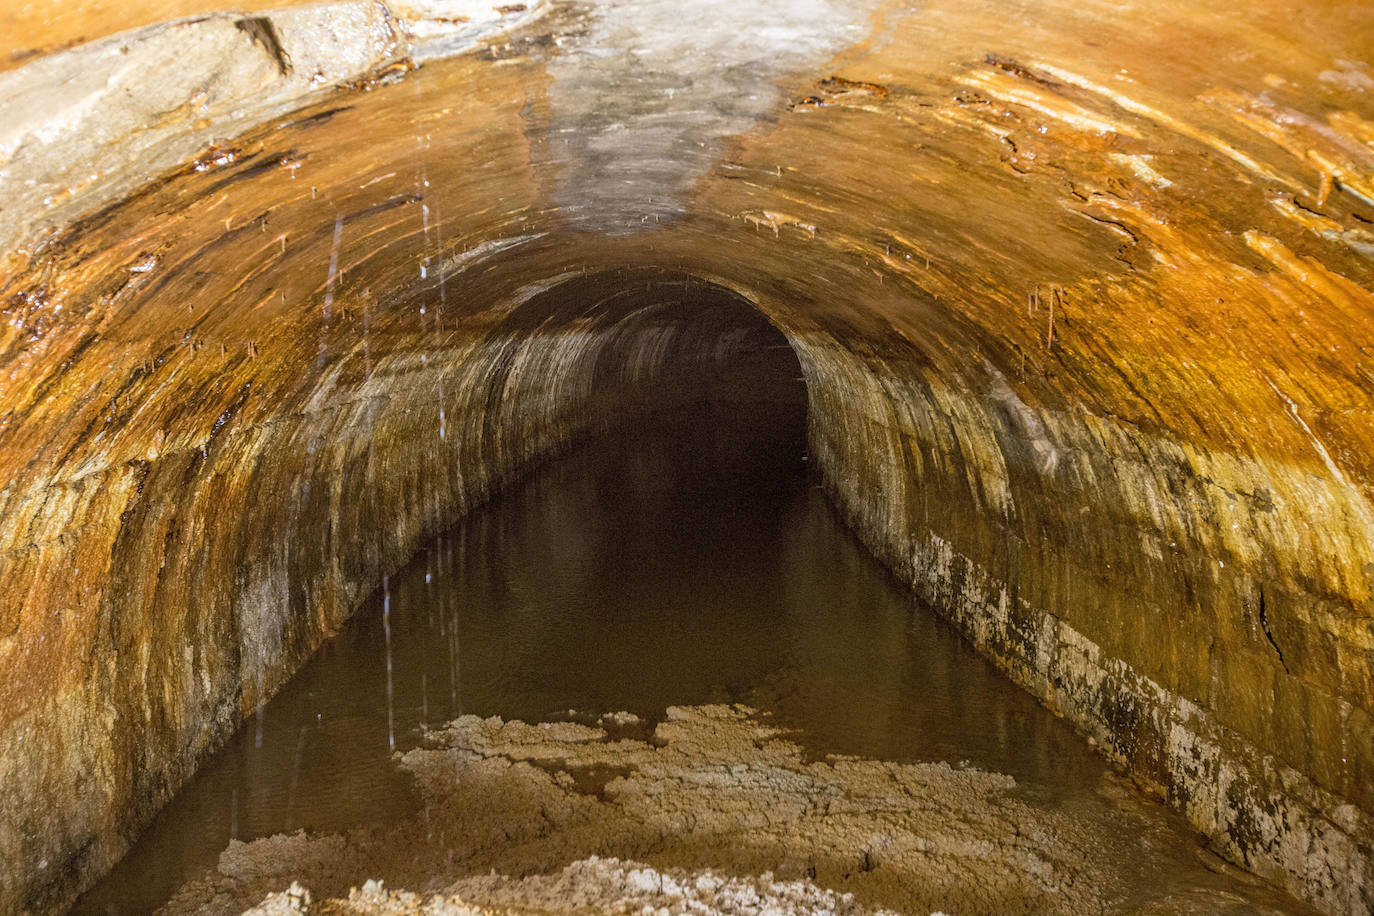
(690, 559)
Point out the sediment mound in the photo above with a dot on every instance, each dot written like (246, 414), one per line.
(714, 811)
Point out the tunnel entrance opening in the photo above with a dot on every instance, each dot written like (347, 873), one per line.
(1130, 460)
(680, 561)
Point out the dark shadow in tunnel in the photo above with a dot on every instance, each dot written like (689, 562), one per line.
(663, 338)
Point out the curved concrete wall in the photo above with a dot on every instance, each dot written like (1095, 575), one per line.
(1082, 295)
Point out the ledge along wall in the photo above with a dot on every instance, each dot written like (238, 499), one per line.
(1081, 294)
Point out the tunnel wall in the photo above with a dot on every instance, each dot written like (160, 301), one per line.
(187, 584)
(950, 490)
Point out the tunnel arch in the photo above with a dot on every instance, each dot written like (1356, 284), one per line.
(582, 354)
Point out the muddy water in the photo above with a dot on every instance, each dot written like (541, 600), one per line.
(691, 559)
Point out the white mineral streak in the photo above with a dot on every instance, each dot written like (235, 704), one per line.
(639, 105)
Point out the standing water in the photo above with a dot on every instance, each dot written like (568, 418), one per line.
(691, 560)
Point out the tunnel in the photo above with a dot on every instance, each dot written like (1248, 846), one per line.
(1069, 308)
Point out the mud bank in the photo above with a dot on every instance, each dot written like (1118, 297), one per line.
(513, 813)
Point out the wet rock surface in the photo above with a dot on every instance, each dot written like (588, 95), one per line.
(717, 804)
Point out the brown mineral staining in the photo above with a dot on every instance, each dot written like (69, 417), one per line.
(1152, 510)
(837, 89)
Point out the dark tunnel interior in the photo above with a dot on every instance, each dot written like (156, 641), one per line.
(843, 456)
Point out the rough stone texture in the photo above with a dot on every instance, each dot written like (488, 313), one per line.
(1082, 293)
